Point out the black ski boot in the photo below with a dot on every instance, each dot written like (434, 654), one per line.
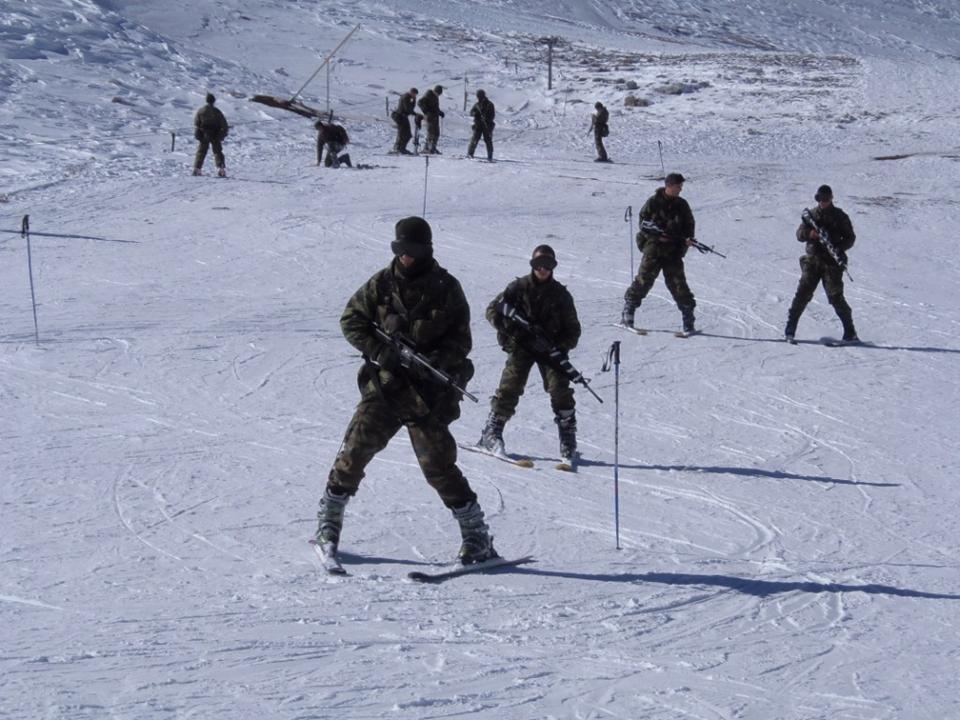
(626, 317)
(566, 421)
(477, 545)
(492, 437)
(689, 324)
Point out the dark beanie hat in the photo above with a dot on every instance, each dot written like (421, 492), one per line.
(438, 89)
(674, 179)
(210, 99)
(413, 238)
(824, 192)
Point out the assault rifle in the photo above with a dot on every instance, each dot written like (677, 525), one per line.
(409, 356)
(651, 227)
(543, 347)
(838, 255)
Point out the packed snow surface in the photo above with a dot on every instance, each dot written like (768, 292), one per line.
(788, 523)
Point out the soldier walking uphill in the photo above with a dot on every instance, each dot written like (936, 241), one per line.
(210, 129)
(429, 105)
(599, 123)
(405, 107)
(546, 305)
(483, 113)
(334, 138)
(416, 298)
(819, 266)
(666, 229)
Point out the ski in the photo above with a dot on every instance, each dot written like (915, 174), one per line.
(631, 329)
(838, 342)
(328, 557)
(567, 464)
(459, 570)
(517, 461)
(686, 333)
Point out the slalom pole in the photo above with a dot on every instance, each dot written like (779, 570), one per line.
(613, 357)
(628, 217)
(25, 233)
(660, 148)
(426, 172)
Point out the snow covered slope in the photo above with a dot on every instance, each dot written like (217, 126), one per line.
(787, 514)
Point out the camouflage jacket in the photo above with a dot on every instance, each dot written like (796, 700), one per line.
(674, 217)
(328, 132)
(483, 113)
(547, 305)
(436, 318)
(407, 105)
(839, 229)
(429, 104)
(601, 118)
(210, 122)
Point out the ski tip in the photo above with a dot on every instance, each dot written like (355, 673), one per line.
(524, 463)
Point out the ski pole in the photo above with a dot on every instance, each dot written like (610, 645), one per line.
(426, 172)
(25, 233)
(628, 217)
(660, 148)
(613, 357)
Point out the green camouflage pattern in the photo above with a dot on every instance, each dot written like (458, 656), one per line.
(550, 306)
(675, 218)
(818, 267)
(210, 129)
(433, 313)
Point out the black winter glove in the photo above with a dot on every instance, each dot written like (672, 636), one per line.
(442, 114)
(393, 324)
(388, 358)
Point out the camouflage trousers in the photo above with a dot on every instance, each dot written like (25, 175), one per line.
(598, 142)
(373, 424)
(673, 276)
(487, 136)
(403, 134)
(202, 147)
(433, 133)
(813, 271)
(513, 381)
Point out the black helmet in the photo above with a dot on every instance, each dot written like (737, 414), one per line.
(543, 257)
(438, 89)
(210, 99)
(414, 91)
(481, 93)
(824, 192)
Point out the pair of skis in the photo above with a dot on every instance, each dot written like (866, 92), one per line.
(327, 553)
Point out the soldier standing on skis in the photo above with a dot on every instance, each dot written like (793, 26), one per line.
(210, 129)
(416, 299)
(405, 107)
(599, 123)
(483, 113)
(429, 105)
(334, 138)
(666, 231)
(817, 266)
(548, 306)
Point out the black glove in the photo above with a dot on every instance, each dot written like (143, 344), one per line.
(393, 324)
(442, 114)
(388, 358)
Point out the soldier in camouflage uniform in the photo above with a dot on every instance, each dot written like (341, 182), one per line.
(600, 124)
(429, 105)
(210, 129)
(817, 266)
(417, 298)
(547, 304)
(406, 106)
(334, 137)
(484, 114)
(664, 251)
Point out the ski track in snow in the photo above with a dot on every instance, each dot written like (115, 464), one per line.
(788, 541)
